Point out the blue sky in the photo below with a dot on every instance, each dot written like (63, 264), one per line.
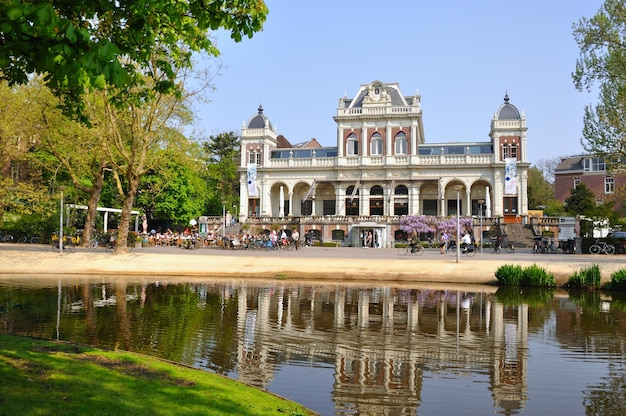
(461, 56)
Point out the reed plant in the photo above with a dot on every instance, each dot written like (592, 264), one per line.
(509, 274)
(618, 281)
(587, 278)
(537, 276)
(531, 276)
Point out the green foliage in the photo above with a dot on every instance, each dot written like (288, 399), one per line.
(602, 61)
(532, 276)
(509, 274)
(586, 278)
(222, 158)
(581, 201)
(540, 191)
(81, 45)
(537, 276)
(618, 281)
(175, 190)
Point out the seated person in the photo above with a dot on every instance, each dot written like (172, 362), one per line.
(466, 241)
(413, 242)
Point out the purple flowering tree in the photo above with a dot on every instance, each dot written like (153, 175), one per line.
(432, 224)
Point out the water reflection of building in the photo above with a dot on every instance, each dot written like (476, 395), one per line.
(382, 341)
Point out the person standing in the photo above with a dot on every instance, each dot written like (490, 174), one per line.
(443, 241)
(295, 236)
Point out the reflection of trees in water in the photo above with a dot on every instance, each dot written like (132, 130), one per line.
(376, 338)
(608, 397)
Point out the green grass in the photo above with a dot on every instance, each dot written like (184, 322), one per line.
(49, 378)
(586, 278)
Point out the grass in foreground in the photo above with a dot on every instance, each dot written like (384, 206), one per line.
(44, 378)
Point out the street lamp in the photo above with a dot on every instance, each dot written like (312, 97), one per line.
(480, 213)
(61, 188)
(458, 222)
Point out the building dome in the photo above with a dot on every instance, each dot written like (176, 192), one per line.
(507, 111)
(259, 121)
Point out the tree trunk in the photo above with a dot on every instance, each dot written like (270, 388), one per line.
(92, 208)
(121, 246)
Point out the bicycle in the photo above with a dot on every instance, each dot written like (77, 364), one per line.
(68, 243)
(405, 249)
(497, 245)
(28, 239)
(6, 238)
(509, 247)
(468, 249)
(602, 247)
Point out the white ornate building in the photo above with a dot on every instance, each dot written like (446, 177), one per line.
(380, 169)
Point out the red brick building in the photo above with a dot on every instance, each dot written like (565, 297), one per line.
(592, 171)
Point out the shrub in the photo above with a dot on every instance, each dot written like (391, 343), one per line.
(509, 274)
(537, 276)
(586, 278)
(515, 275)
(618, 280)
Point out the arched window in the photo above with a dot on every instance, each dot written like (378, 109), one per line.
(401, 190)
(376, 190)
(376, 146)
(401, 144)
(352, 148)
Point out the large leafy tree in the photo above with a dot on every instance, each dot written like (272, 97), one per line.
(602, 43)
(21, 189)
(223, 152)
(177, 190)
(541, 193)
(134, 51)
(83, 44)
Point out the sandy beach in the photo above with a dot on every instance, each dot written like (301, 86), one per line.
(344, 264)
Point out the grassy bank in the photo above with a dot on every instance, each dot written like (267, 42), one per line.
(45, 378)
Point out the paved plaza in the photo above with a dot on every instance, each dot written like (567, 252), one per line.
(313, 263)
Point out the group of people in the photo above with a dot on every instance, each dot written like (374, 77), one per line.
(446, 240)
(185, 239)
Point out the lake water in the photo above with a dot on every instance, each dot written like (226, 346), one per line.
(353, 350)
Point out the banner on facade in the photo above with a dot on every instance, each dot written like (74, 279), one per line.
(355, 190)
(252, 191)
(310, 191)
(510, 176)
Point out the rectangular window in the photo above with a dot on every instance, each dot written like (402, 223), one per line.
(509, 151)
(377, 206)
(307, 207)
(400, 207)
(255, 157)
(609, 185)
(377, 147)
(328, 207)
(576, 182)
(429, 207)
(594, 164)
(401, 146)
(452, 208)
(352, 207)
(353, 147)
